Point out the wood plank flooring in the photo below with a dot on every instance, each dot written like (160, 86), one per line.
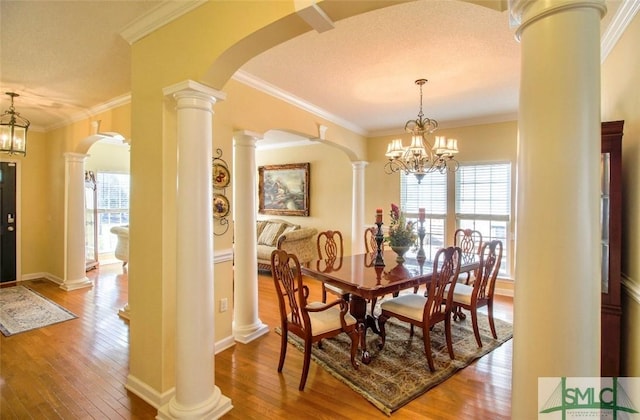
(77, 369)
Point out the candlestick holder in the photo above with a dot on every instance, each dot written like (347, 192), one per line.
(379, 262)
(421, 233)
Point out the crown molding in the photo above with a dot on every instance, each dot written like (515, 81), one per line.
(259, 84)
(106, 106)
(165, 12)
(624, 15)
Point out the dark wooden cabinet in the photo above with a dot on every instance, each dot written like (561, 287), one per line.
(611, 222)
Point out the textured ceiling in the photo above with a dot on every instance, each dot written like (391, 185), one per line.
(66, 57)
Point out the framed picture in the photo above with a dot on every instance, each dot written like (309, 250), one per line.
(284, 189)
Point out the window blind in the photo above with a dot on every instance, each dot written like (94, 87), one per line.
(484, 191)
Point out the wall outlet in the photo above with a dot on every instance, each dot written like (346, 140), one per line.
(224, 305)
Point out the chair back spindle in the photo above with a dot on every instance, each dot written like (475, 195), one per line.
(446, 267)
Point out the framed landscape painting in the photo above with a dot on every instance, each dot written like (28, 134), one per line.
(284, 189)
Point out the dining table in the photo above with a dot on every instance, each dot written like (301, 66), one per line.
(367, 277)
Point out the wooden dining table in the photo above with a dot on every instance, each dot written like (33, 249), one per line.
(364, 281)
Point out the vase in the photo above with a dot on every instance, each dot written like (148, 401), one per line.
(400, 251)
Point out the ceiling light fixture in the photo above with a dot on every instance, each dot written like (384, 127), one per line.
(13, 130)
(419, 158)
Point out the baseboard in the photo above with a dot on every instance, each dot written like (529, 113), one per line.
(148, 394)
(46, 276)
(225, 343)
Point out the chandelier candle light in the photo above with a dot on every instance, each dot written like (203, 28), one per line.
(419, 158)
(13, 130)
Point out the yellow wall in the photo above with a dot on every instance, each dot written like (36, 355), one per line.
(107, 157)
(34, 205)
(620, 101)
(170, 55)
(329, 186)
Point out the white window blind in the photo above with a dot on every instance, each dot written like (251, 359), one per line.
(483, 203)
(113, 207)
(430, 194)
(484, 190)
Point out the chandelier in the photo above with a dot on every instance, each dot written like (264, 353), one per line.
(13, 130)
(419, 158)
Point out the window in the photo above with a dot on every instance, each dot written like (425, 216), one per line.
(483, 203)
(430, 194)
(113, 207)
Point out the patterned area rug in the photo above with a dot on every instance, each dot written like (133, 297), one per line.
(400, 373)
(22, 309)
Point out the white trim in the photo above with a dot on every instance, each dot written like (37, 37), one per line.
(165, 12)
(148, 394)
(503, 292)
(224, 344)
(624, 15)
(631, 288)
(106, 106)
(223, 256)
(42, 275)
(265, 87)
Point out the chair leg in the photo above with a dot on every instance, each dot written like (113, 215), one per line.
(305, 365)
(447, 333)
(476, 330)
(373, 305)
(353, 334)
(426, 335)
(324, 294)
(382, 319)
(283, 347)
(491, 323)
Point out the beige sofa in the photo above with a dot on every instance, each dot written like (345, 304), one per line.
(280, 234)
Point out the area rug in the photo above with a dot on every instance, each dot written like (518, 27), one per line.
(22, 309)
(400, 373)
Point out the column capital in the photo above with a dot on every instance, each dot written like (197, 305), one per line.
(359, 164)
(246, 138)
(192, 89)
(522, 13)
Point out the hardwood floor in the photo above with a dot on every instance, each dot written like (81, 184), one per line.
(77, 369)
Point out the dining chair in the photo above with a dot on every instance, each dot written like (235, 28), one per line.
(370, 243)
(469, 241)
(311, 321)
(427, 311)
(330, 253)
(481, 292)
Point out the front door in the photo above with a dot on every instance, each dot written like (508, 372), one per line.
(7, 222)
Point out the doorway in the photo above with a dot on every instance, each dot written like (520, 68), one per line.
(8, 234)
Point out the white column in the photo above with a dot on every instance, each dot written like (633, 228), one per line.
(357, 208)
(196, 395)
(246, 324)
(74, 246)
(557, 289)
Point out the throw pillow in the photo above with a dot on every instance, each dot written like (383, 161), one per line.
(270, 233)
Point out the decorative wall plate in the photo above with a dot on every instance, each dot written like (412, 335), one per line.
(221, 176)
(220, 206)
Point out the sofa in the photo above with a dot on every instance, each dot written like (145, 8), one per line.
(122, 246)
(280, 234)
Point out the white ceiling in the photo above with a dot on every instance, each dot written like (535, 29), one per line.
(65, 58)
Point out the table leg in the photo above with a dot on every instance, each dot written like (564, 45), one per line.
(358, 308)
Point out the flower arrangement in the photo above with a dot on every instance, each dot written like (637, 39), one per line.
(401, 232)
